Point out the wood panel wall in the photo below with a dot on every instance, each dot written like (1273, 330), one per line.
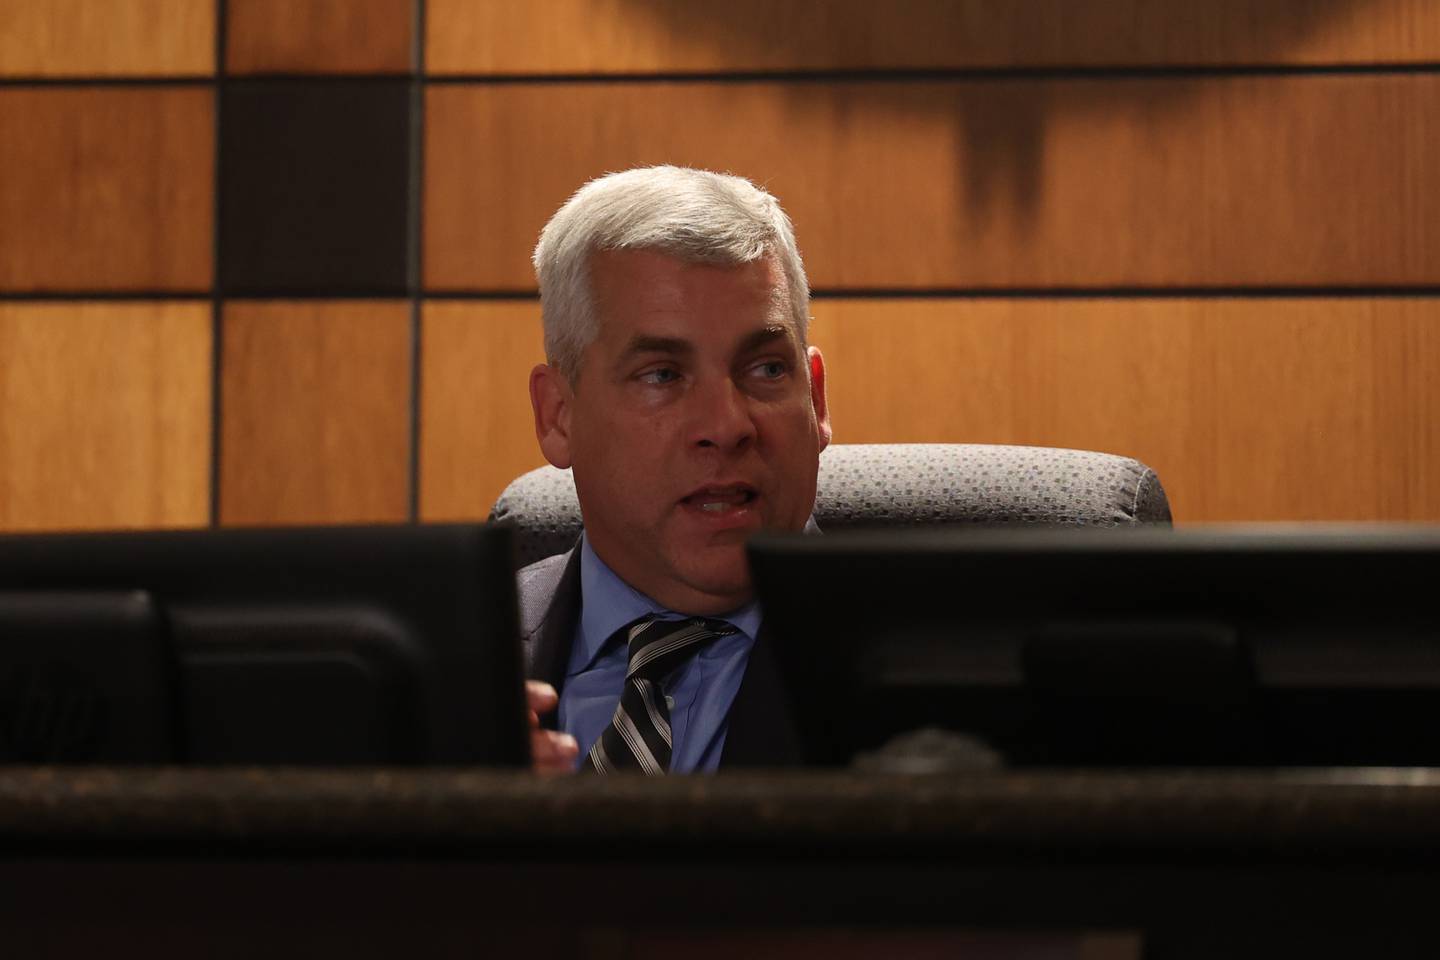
(979, 184)
(275, 269)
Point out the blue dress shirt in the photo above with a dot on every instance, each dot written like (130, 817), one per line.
(699, 693)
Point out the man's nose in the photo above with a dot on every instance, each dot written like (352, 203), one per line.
(722, 417)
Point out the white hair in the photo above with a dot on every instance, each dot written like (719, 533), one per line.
(693, 215)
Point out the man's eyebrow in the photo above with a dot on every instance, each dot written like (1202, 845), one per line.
(764, 337)
(641, 343)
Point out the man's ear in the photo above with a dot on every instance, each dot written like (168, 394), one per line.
(551, 398)
(817, 395)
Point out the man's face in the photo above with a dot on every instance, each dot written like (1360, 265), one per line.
(697, 418)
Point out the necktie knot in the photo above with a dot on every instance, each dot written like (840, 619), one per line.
(657, 646)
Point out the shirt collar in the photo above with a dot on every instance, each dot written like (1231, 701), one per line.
(607, 603)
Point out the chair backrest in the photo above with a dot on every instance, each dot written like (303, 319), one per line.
(902, 484)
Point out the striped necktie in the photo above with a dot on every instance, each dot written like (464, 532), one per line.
(638, 737)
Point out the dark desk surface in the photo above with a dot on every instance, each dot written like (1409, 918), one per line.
(1320, 863)
(1391, 812)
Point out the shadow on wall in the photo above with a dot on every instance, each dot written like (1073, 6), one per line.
(1001, 141)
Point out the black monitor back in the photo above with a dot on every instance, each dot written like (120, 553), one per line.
(1113, 647)
(314, 646)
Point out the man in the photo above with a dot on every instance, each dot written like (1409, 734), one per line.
(681, 392)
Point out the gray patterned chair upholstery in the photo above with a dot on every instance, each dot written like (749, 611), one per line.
(902, 484)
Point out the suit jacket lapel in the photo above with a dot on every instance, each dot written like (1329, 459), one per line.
(761, 732)
(550, 610)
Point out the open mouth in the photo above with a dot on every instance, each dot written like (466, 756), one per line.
(721, 499)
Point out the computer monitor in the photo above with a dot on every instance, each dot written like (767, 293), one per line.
(1120, 647)
(309, 646)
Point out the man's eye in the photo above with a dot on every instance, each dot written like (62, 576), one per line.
(770, 369)
(659, 376)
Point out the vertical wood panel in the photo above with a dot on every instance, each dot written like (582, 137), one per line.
(476, 431)
(319, 36)
(642, 36)
(1210, 181)
(1248, 410)
(315, 409)
(106, 188)
(104, 415)
(106, 38)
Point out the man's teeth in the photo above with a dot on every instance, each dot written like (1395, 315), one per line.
(723, 501)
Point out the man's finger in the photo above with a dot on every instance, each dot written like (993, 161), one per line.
(552, 752)
(541, 697)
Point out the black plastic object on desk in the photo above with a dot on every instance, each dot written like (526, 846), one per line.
(1215, 647)
(305, 646)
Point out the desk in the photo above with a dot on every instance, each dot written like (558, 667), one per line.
(389, 862)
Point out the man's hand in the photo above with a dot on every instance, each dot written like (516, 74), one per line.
(550, 751)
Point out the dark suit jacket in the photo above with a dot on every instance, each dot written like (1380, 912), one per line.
(760, 732)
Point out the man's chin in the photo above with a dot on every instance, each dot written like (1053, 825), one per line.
(711, 589)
